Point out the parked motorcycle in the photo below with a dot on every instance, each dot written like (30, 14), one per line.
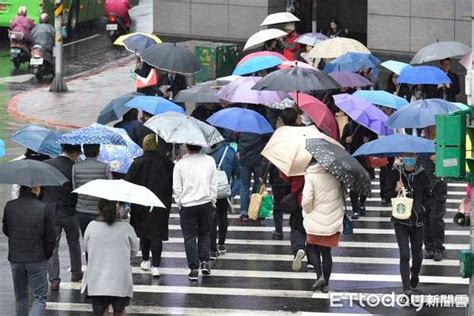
(41, 62)
(19, 51)
(115, 27)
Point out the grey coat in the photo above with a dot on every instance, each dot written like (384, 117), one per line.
(109, 273)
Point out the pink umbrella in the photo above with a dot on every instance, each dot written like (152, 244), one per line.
(263, 53)
(319, 114)
(466, 61)
(350, 80)
(292, 63)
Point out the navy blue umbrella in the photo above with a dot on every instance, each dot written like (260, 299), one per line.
(116, 108)
(395, 145)
(39, 139)
(137, 43)
(92, 135)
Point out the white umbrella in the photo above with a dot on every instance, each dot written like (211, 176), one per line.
(439, 51)
(280, 17)
(262, 36)
(120, 190)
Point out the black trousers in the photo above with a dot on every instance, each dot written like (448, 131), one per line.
(384, 172)
(409, 236)
(357, 200)
(322, 267)
(156, 247)
(434, 226)
(220, 220)
(298, 233)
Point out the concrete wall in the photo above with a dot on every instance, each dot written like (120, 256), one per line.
(231, 20)
(408, 25)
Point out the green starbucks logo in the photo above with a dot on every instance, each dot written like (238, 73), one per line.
(401, 208)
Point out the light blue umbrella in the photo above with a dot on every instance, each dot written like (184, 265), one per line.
(461, 106)
(311, 39)
(92, 135)
(394, 145)
(395, 66)
(39, 139)
(256, 64)
(2, 148)
(240, 120)
(423, 75)
(154, 105)
(116, 108)
(420, 114)
(381, 97)
(352, 62)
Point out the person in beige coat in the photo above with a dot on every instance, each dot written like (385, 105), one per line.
(323, 213)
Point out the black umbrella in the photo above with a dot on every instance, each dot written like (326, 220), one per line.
(31, 173)
(202, 93)
(116, 108)
(172, 58)
(296, 79)
(340, 164)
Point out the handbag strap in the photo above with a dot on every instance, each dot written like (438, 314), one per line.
(222, 158)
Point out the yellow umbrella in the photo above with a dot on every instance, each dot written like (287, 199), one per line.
(286, 148)
(335, 47)
(119, 41)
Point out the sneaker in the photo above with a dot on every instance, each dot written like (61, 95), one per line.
(55, 285)
(155, 272)
(437, 256)
(414, 280)
(244, 218)
(362, 210)
(318, 285)
(193, 275)
(407, 298)
(325, 289)
(355, 215)
(145, 265)
(222, 249)
(77, 276)
(296, 266)
(309, 266)
(429, 254)
(385, 202)
(205, 268)
(213, 255)
(276, 235)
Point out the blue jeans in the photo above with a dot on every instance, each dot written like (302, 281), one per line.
(35, 276)
(246, 176)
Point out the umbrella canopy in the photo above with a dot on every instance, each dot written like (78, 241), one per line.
(240, 91)
(439, 51)
(319, 113)
(461, 106)
(395, 66)
(466, 61)
(363, 113)
(420, 114)
(296, 79)
(293, 63)
(116, 108)
(154, 105)
(340, 164)
(2, 148)
(240, 120)
(204, 92)
(182, 129)
(280, 17)
(335, 47)
(119, 41)
(39, 139)
(286, 148)
(395, 145)
(350, 80)
(381, 97)
(311, 39)
(256, 64)
(137, 43)
(262, 36)
(423, 75)
(172, 58)
(95, 134)
(31, 173)
(352, 62)
(120, 190)
(260, 54)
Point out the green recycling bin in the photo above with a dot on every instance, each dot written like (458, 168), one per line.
(451, 129)
(450, 161)
(216, 59)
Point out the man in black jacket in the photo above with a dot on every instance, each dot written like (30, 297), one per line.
(65, 217)
(29, 225)
(449, 91)
(170, 84)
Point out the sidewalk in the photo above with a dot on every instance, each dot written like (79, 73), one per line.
(88, 94)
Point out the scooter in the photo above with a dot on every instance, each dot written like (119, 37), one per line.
(41, 62)
(115, 26)
(19, 51)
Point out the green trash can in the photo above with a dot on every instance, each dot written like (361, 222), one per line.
(450, 161)
(216, 59)
(451, 129)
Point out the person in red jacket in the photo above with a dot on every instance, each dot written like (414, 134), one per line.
(291, 48)
(119, 8)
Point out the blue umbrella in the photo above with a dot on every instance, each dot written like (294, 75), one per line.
(92, 135)
(241, 120)
(352, 62)
(395, 66)
(39, 139)
(256, 64)
(116, 108)
(394, 145)
(381, 97)
(154, 105)
(420, 113)
(2, 148)
(423, 75)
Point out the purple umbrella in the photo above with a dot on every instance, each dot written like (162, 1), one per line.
(363, 113)
(240, 91)
(350, 80)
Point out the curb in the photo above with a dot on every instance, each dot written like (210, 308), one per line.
(13, 102)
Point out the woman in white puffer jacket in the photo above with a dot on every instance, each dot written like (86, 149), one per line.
(323, 212)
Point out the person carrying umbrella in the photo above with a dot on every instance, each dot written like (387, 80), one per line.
(154, 171)
(170, 83)
(129, 121)
(291, 48)
(449, 91)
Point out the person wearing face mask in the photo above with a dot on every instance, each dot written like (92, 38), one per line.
(409, 233)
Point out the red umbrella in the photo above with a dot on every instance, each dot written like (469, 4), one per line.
(319, 114)
(263, 53)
